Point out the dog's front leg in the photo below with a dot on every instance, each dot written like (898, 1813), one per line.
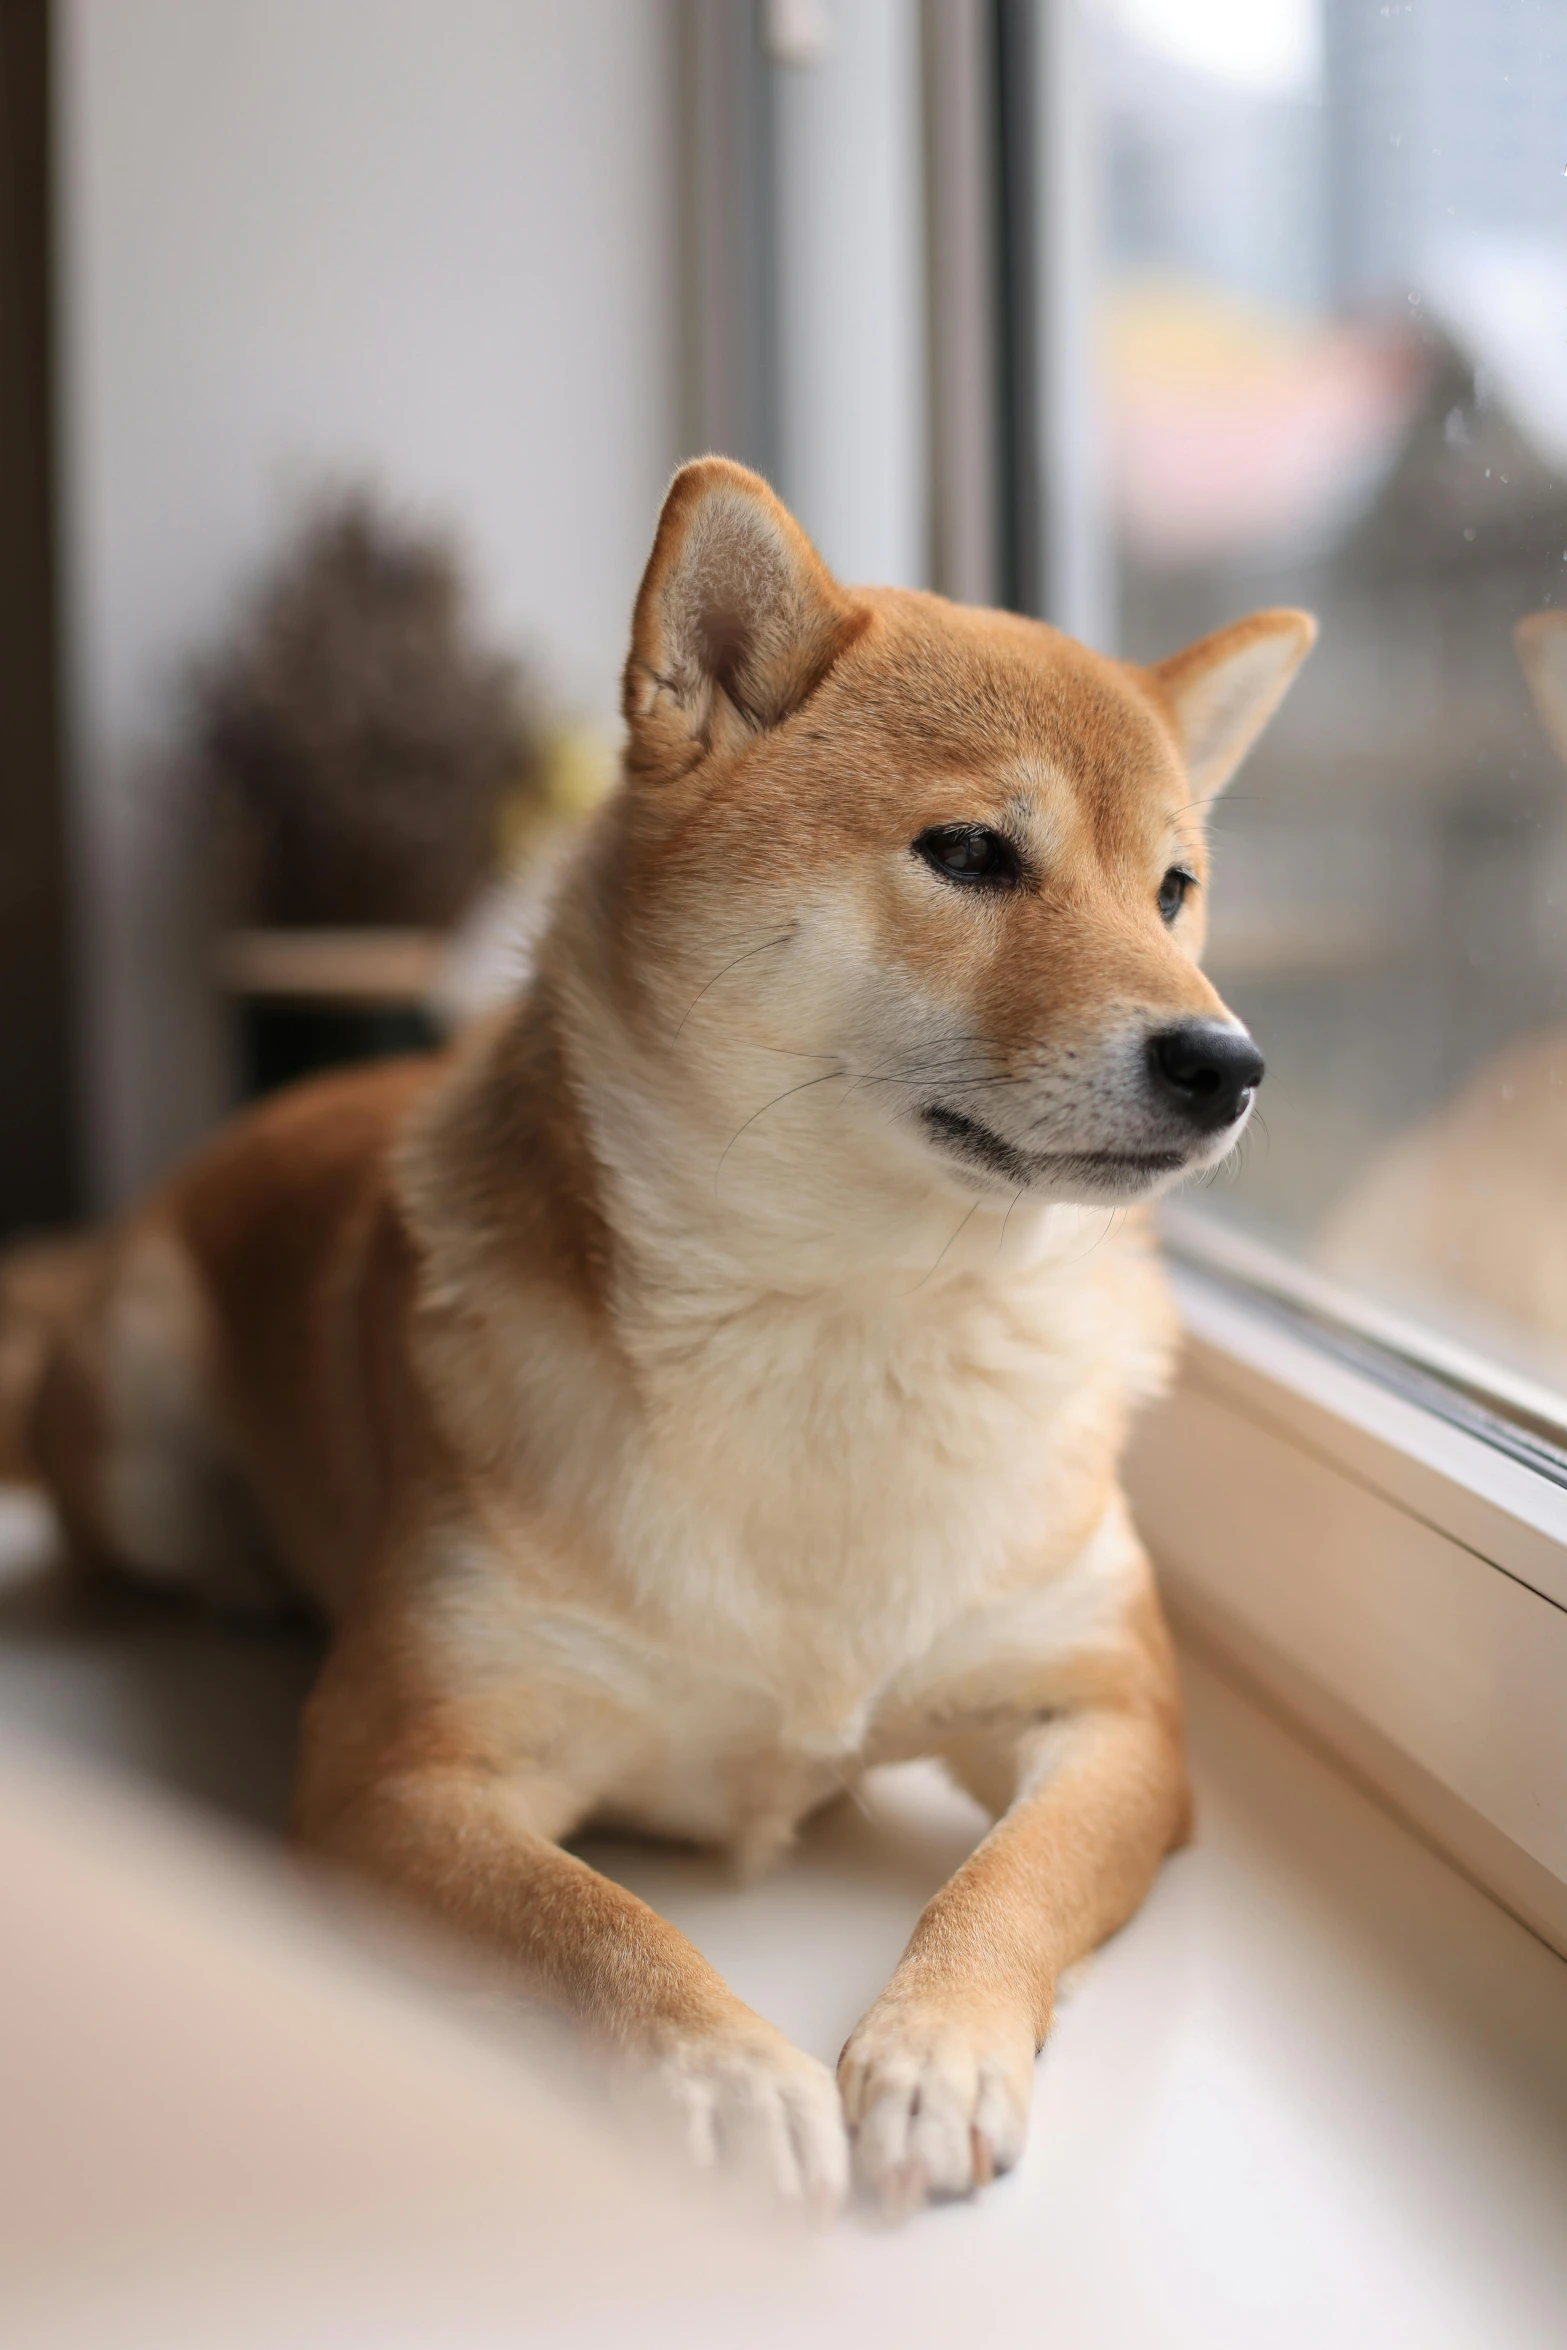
(429, 1813)
(937, 2077)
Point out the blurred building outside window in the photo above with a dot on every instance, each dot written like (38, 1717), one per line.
(1330, 329)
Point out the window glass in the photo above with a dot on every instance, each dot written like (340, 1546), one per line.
(1333, 335)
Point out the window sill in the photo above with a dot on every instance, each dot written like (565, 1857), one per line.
(1314, 2091)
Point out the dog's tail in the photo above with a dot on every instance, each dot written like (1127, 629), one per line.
(43, 1285)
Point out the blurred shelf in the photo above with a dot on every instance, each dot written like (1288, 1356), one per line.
(381, 967)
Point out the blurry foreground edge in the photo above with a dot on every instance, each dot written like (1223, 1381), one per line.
(224, 2122)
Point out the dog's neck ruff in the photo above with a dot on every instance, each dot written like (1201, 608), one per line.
(718, 1204)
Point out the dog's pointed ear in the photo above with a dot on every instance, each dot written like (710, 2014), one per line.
(1541, 639)
(1220, 692)
(737, 620)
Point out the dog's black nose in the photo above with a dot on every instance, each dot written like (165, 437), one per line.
(1205, 1070)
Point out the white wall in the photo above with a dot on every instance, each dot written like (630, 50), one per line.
(431, 242)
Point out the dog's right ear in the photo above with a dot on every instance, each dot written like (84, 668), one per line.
(737, 620)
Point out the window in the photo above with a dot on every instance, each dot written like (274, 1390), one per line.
(1332, 312)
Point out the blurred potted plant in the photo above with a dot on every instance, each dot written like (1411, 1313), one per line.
(364, 752)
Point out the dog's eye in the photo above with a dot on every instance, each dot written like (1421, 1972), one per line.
(969, 852)
(1173, 889)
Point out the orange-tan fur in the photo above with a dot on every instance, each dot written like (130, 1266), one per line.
(671, 1423)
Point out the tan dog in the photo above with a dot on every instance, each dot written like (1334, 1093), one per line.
(710, 1381)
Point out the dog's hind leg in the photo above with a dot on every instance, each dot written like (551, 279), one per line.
(128, 1436)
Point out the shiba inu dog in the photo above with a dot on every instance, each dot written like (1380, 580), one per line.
(709, 1380)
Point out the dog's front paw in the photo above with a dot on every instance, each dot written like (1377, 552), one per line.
(746, 2101)
(936, 2097)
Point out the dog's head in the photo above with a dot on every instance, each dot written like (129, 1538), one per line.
(933, 876)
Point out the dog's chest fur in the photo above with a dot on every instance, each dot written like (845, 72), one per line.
(811, 1518)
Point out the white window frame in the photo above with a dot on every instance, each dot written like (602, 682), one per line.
(1395, 1579)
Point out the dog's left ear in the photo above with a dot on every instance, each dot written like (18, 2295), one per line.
(737, 620)
(1220, 692)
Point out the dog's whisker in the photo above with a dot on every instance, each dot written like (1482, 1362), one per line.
(804, 1086)
(781, 941)
(961, 1226)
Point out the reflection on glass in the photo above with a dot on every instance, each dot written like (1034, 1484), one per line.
(1464, 1213)
(1334, 327)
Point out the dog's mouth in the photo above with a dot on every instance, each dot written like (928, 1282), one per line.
(981, 1147)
